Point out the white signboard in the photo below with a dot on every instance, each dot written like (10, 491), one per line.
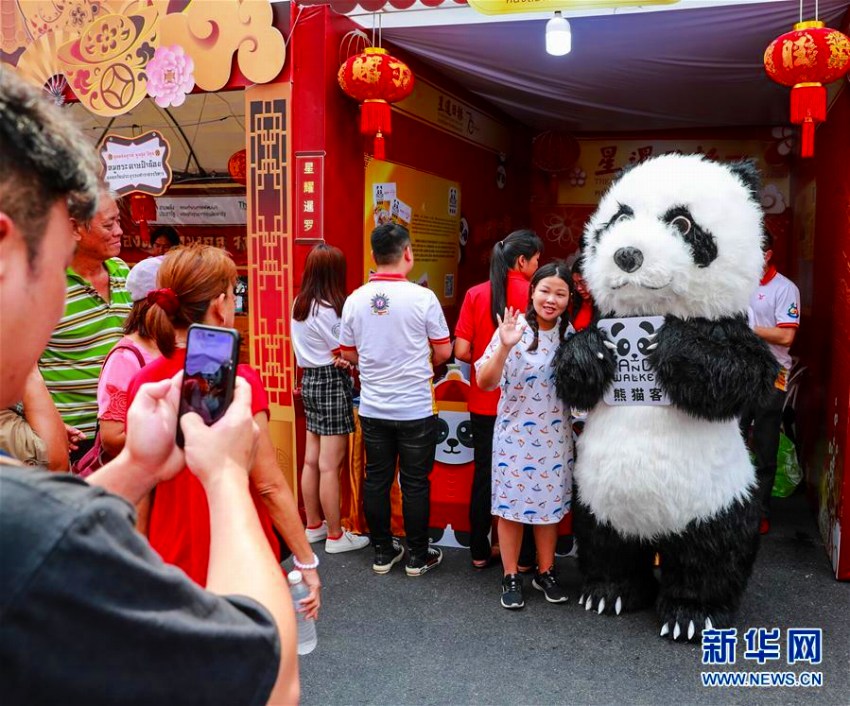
(202, 210)
(136, 163)
(634, 381)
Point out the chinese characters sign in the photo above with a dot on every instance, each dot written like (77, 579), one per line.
(634, 380)
(429, 104)
(601, 161)
(309, 196)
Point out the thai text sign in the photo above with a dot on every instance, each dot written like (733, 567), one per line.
(205, 210)
(136, 163)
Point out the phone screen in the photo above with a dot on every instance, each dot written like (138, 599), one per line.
(209, 375)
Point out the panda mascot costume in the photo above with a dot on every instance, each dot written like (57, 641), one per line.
(677, 236)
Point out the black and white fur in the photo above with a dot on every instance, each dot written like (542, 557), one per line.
(677, 236)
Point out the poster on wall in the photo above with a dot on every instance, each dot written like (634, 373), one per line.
(429, 207)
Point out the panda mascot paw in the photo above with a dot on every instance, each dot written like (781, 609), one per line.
(712, 368)
(584, 368)
(678, 237)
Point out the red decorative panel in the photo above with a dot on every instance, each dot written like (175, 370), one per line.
(270, 238)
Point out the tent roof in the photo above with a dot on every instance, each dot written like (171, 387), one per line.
(665, 69)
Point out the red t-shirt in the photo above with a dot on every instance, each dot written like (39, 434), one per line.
(179, 525)
(475, 325)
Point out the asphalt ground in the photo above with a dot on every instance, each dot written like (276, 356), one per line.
(443, 638)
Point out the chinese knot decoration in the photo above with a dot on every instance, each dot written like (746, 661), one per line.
(376, 79)
(805, 59)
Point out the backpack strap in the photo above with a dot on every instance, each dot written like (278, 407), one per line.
(129, 347)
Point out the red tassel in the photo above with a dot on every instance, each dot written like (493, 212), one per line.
(808, 107)
(375, 117)
(378, 150)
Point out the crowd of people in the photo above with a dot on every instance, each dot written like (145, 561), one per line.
(92, 383)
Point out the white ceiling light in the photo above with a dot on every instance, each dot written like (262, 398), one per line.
(559, 37)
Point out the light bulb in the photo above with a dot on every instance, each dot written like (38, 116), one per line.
(559, 37)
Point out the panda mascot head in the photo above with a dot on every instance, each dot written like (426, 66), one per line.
(677, 234)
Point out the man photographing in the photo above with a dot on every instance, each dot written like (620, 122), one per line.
(89, 613)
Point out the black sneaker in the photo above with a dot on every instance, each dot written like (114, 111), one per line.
(512, 598)
(550, 587)
(417, 567)
(387, 557)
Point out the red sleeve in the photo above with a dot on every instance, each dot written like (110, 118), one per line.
(465, 327)
(259, 396)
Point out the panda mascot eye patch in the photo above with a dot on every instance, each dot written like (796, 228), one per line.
(676, 238)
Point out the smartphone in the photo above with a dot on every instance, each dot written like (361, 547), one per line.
(209, 374)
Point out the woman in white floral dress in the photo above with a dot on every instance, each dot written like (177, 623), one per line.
(532, 443)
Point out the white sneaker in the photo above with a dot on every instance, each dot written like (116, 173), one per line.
(347, 543)
(318, 533)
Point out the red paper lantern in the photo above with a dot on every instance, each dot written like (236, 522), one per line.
(376, 79)
(237, 167)
(142, 210)
(805, 59)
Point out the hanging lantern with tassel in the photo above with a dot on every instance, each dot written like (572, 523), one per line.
(142, 210)
(376, 79)
(805, 59)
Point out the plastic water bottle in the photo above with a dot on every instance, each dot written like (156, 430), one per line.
(307, 639)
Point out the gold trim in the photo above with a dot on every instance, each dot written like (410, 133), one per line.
(380, 50)
(807, 84)
(808, 24)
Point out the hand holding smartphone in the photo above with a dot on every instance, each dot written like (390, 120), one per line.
(209, 374)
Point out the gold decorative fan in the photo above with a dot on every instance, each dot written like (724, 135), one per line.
(39, 63)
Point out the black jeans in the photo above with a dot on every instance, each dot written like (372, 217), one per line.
(765, 443)
(480, 501)
(413, 444)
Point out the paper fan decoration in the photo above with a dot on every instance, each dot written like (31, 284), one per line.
(39, 64)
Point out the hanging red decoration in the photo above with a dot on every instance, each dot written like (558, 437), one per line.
(376, 79)
(554, 152)
(805, 59)
(142, 210)
(237, 167)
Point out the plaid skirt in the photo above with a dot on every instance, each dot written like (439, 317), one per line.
(327, 395)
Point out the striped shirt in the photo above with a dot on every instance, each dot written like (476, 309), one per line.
(79, 344)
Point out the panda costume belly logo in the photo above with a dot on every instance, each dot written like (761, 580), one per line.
(677, 237)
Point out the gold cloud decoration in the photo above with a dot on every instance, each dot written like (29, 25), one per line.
(210, 32)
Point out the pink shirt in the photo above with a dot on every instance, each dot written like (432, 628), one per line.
(118, 370)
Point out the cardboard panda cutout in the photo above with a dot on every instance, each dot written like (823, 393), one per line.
(454, 466)
(679, 237)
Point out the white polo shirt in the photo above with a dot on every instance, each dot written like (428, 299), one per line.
(316, 338)
(776, 302)
(392, 324)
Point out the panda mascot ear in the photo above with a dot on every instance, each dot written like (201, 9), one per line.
(748, 172)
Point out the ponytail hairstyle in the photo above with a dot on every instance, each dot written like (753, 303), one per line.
(189, 279)
(505, 254)
(559, 269)
(323, 282)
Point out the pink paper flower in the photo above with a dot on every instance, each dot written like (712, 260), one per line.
(170, 76)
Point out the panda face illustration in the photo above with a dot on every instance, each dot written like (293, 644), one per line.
(633, 347)
(677, 234)
(454, 438)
